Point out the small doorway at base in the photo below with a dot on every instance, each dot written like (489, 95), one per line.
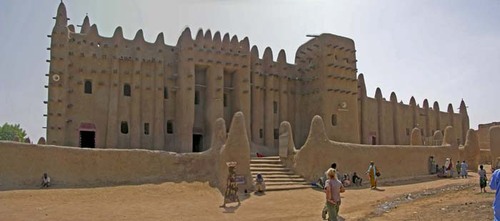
(197, 142)
(87, 139)
(374, 140)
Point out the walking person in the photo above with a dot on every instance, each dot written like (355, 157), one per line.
(463, 169)
(482, 178)
(495, 185)
(333, 188)
(373, 173)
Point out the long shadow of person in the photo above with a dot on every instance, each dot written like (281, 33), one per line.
(231, 209)
(378, 189)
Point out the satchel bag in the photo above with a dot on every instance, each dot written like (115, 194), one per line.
(377, 174)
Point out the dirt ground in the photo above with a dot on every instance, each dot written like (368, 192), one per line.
(424, 198)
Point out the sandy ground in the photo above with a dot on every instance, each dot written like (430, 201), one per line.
(425, 198)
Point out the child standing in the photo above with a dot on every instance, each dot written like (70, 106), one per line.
(482, 178)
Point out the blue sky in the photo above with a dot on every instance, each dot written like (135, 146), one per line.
(440, 50)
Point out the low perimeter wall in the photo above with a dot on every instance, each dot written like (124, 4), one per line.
(394, 161)
(22, 165)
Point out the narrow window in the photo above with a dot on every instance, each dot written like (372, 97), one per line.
(225, 100)
(261, 133)
(334, 120)
(275, 107)
(88, 87)
(407, 131)
(165, 93)
(196, 97)
(170, 127)
(126, 90)
(124, 127)
(146, 128)
(276, 133)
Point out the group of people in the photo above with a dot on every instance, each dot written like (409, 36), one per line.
(447, 170)
(333, 187)
(348, 180)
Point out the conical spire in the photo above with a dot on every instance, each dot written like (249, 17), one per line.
(378, 94)
(85, 25)
(463, 108)
(61, 16)
(160, 39)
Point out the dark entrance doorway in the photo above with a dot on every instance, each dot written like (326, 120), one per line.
(374, 140)
(197, 142)
(87, 139)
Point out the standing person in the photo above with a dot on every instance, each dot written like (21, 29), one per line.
(447, 167)
(333, 188)
(450, 167)
(463, 169)
(495, 185)
(482, 178)
(333, 166)
(458, 166)
(373, 173)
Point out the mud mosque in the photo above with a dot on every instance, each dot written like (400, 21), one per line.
(150, 112)
(114, 92)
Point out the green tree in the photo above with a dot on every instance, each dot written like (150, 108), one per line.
(12, 132)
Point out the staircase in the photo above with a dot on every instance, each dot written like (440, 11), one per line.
(276, 175)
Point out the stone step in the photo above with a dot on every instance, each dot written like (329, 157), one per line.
(267, 173)
(265, 169)
(259, 160)
(265, 165)
(280, 176)
(268, 157)
(287, 187)
(285, 180)
(276, 175)
(285, 183)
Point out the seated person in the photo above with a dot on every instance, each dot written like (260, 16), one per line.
(45, 180)
(441, 172)
(345, 180)
(260, 186)
(356, 179)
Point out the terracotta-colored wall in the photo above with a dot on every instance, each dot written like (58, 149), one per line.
(393, 160)
(22, 165)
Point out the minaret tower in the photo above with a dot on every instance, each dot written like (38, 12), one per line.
(57, 94)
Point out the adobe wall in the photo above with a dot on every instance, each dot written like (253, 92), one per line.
(484, 134)
(394, 161)
(391, 122)
(494, 132)
(22, 165)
